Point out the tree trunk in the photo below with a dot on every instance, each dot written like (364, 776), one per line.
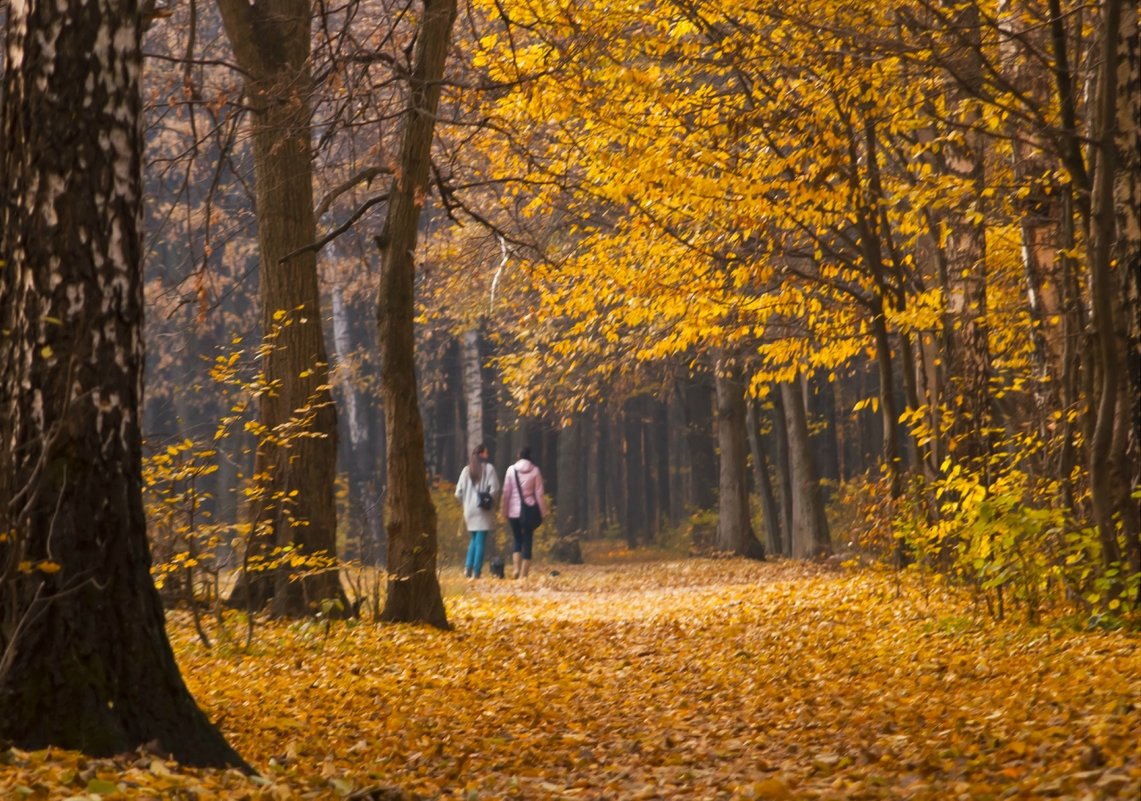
(1107, 470)
(769, 509)
(568, 491)
(678, 453)
(595, 477)
(413, 589)
(613, 460)
(473, 387)
(358, 446)
(918, 456)
(822, 406)
(634, 498)
(296, 506)
(1073, 326)
(699, 428)
(84, 658)
(734, 523)
(889, 412)
(658, 456)
(809, 531)
(783, 465)
(965, 277)
(1127, 256)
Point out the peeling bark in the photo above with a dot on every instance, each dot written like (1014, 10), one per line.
(84, 658)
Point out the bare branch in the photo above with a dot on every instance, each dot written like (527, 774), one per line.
(365, 176)
(340, 229)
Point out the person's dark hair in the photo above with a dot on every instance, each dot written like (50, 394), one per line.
(525, 452)
(475, 464)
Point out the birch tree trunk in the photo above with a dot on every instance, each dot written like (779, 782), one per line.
(362, 525)
(472, 370)
(413, 589)
(967, 355)
(84, 658)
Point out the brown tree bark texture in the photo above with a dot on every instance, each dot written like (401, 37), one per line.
(734, 522)
(84, 658)
(413, 589)
(809, 533)
(271, 42)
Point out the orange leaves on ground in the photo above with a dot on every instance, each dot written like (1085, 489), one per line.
(692, 679)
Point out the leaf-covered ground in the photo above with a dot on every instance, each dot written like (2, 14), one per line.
(695, 679)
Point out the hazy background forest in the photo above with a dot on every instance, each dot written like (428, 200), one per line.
(745, 279)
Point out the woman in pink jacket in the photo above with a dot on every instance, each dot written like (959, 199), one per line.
(523, 483)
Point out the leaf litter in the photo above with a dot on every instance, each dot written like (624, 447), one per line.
(694, 679)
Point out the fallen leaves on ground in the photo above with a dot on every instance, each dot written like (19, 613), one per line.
(693, 679)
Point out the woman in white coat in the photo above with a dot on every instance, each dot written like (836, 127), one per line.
(476, 491)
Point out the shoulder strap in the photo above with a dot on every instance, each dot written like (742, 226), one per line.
(522, 497)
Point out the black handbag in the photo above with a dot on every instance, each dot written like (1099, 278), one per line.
(529, 513)
(485, 499)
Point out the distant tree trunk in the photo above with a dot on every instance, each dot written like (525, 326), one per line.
(917, 456)
(84, 658)
(823, 406)
(678, 453)
(297, 507)
(358, 463)
(1073, 326)
(783, 465)
(658, 455)
(809, 531)
(699, 427)
(413, 590)
(889, 410)
(872, 250)
(734, 523)
(473, 387)
(447, 447)
(378, 464)
(568, 489)
(595, 474)
(769, 509)
(634, 498)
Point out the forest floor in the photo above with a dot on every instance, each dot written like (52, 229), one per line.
(702, 678)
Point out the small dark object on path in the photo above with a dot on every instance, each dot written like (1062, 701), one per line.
(496, 566)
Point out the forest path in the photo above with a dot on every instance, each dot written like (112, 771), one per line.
(691, 679)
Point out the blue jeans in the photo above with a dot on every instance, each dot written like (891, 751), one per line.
(474, 564)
